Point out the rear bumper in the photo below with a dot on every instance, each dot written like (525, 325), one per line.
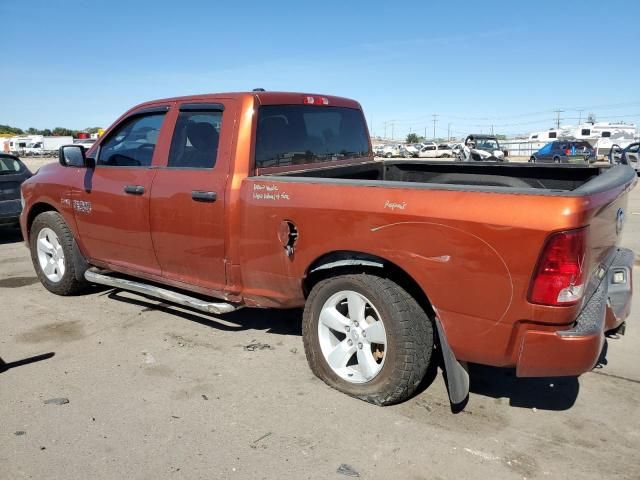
(576, 351)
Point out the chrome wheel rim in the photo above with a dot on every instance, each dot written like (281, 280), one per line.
(352, 337)
(50, 255)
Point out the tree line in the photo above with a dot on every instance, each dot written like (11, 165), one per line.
(48, 132)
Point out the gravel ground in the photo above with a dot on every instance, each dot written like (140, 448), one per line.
(157, 391)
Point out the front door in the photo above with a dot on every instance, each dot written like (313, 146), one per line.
(187, 197)
(111, 206)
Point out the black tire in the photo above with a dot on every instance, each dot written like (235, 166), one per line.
(69, 283)
(556, 159)
(389, 155)
(409, 338)
(532, 159)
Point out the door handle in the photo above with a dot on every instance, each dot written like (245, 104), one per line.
(134, 189)
(200, 196)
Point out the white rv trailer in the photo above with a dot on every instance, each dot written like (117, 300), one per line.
(601, 135)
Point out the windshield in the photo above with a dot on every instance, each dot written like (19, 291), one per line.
(9, 166)
(301, 134)
(488, 144)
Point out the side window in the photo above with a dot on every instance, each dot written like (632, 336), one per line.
(195, 140)
(553, 134)
(132, 143)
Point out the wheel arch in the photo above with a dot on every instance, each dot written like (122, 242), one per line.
(344, 262)
(35, 210)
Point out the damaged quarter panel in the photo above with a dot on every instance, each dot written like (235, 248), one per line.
(466, 259)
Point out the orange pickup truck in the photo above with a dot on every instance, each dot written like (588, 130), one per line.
(274, 200)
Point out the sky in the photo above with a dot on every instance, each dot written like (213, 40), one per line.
(506, 64)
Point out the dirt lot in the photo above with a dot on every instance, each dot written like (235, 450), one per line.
(157, 391)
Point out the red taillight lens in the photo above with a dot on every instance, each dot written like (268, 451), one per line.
(560, 274)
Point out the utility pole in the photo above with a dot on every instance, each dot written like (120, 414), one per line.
(491, 129)
(448, 131)
(385, 129)
(425, 133)
(392, 126)
(435, 119)
(558, 112)
(580, 116)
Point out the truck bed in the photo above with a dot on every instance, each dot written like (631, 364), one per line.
(526, 178)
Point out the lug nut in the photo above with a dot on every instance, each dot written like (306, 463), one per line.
(364, 334)
(350, 342)
(347, 328)
(360, 345)
(355, 324)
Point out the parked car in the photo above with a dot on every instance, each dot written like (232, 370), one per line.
(396, 151)
(262, 199)
(12, 174)
(378, 150)
(432, 150)
(561, 151)
(630, 155)
(456, 150)
(410, 151)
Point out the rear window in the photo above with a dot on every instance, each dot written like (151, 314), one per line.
(301, 134)
(9, 165)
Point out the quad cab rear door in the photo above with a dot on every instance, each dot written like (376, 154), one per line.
(187, 212)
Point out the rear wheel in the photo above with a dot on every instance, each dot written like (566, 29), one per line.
(556, 159)
(367, 337)
(532, 159)
(389, 155)
(52, 253)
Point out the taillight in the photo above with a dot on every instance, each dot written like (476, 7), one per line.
(311, 100)
(560, 273)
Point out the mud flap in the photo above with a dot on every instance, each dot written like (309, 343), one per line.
(80, 264)
(457, 376)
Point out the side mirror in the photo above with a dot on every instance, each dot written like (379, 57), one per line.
(73, 156)
(506, 153)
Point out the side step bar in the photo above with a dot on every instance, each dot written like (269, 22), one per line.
(94, 275)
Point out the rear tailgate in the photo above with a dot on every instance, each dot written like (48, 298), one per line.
(607, 297)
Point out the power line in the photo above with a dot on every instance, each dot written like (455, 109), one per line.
(558, 112)
(435, 119)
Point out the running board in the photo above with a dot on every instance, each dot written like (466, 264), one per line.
(94, 276)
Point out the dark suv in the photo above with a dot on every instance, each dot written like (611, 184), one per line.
(569, 151)
(12, 173)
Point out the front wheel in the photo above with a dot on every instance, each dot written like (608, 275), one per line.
(367, 337)
(556, 159)
(52, 253)
(532, 159)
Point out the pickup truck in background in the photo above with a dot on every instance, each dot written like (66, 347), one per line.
(274, 200)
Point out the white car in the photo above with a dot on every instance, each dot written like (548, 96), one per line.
(398, 150)
(433, 150)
